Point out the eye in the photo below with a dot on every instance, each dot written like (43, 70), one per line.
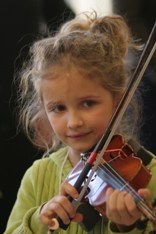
(58, 108)
(89, 103)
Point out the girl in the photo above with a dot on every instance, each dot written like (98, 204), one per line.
(73, 84)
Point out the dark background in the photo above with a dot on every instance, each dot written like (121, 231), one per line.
(21, 23)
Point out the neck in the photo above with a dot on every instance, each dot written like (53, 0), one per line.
(74, 156)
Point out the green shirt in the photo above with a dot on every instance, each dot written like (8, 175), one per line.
(40, 183)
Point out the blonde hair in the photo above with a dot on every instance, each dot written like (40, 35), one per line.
(97, 46)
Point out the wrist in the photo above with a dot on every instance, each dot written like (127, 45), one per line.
(121, 228)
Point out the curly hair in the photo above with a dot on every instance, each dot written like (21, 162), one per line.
(99, 48)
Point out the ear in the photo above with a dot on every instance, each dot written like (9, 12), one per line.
(44, 132)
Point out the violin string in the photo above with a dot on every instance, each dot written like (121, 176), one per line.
(140, 202)
(117, 178)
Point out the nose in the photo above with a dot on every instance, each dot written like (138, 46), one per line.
(74, 120)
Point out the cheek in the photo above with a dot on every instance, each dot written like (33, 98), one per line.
(56, 124)
(101, 126)
(101, 121)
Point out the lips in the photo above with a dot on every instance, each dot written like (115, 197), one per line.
(80, 135)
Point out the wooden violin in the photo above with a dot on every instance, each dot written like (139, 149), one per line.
(119, 168)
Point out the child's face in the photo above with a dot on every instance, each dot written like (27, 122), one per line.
(78, 109)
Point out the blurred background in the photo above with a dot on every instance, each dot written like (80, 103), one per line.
(21, 23)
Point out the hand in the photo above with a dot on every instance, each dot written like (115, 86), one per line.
(60, 206)
(121, 208)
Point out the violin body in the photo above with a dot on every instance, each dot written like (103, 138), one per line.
(122, 158)
(119, 167)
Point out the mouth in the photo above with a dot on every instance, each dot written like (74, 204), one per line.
(77, 136)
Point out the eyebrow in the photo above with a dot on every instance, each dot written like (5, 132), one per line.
(90, 97)
(50, 104)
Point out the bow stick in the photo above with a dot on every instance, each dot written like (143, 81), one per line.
(99, 150)
(95, 156)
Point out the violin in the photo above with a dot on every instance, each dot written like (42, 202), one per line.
(104, 166)
(119, 168)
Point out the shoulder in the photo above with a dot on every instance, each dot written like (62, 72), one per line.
(152, 164)
(53, 160)
(46, 165)
(49, 167)
(152, 168)
(43, 170)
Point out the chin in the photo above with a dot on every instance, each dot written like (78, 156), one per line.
(84, 149)
(81, 147)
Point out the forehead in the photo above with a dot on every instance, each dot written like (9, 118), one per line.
(68, 65)
(68, 81)
(71, 87)
(67, 73)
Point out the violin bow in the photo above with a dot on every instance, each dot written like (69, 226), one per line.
(99, 150)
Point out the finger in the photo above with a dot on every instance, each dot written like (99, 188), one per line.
(46, 213)
(68, 189)
(121, 206)
(125, 215)
(131, 206)
(112, 199)
(78, 218)
(111, 203)
(46, 220)
(144, 193)
(101, 209)
(63, 208)
(58, 206)
(54, 224)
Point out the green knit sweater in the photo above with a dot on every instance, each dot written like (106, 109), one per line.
(39, 184)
